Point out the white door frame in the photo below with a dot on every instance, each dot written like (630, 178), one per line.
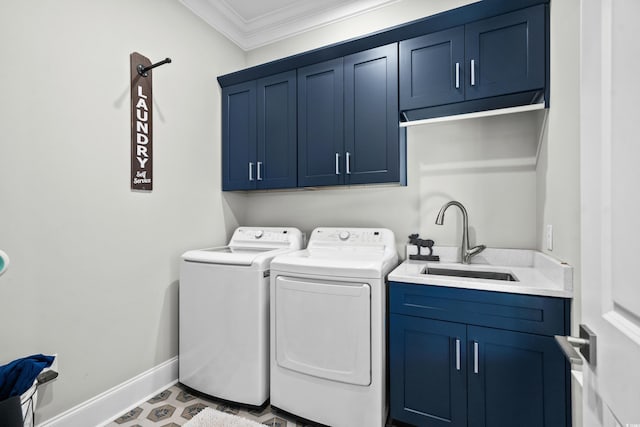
(610, 218)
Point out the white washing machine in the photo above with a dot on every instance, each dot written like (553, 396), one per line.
(328, 327)
(224, 314)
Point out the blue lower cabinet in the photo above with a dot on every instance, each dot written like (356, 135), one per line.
(448, 373)
(428, 373)
(514, 379)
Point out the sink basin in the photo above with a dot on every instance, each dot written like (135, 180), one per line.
(476, 274)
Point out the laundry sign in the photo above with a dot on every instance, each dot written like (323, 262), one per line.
(141, 125)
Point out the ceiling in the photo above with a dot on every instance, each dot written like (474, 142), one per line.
(254, 23)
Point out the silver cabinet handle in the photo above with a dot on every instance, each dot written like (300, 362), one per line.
(348, 163)
(457, 354)
(475, 357)
(337, 163)
(457, 75)
(259, 176)
(473, 72)
(250, 171)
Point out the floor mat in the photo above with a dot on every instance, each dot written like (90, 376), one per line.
(209, 417)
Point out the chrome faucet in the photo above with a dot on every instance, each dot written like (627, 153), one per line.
(465, 252)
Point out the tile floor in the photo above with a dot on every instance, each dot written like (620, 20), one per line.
(176, 405)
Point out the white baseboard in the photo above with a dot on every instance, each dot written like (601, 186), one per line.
(105, 407)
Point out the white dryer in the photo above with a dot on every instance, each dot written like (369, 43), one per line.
(224, 314)
(328, 327)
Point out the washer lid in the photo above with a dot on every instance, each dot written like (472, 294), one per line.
(250, 246)
(229, 255)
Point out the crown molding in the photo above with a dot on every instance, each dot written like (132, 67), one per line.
(277, 24)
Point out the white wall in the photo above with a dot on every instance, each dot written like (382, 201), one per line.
(558, 175)
(558, 178)
(94, 271)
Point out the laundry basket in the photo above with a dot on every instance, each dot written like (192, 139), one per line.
(28, 401)
(19, 410)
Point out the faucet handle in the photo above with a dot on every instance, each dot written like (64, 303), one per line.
(476, 250)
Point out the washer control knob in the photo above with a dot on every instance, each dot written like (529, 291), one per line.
(258, 234)
(344, 235)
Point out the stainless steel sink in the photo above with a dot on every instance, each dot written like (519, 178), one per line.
(476, 274)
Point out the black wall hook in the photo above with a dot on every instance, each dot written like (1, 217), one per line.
(142, 70)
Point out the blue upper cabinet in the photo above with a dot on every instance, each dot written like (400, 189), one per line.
(432, 69)
(276, 164)
(347, 120)
(371, 144)
(239, 136)
(320, 124)
(331, 116)
(506, 54)
(497, 56)
(259, 134)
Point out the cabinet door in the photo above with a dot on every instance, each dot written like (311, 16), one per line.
(320, 124)
(432, 69)
(239, 136)
(427, 371)
(371, 152)
(505, 54)
(276, 165)
(514, 379)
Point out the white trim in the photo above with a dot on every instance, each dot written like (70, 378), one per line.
(543, 130)
(251, 32)
(475, 165)
(105, 407)
(497, 112)
(577, 376)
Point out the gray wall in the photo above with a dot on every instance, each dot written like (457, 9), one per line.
(94, 266)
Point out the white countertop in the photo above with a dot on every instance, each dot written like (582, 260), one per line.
(537, 273)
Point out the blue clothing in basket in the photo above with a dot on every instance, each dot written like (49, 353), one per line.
(17, 376)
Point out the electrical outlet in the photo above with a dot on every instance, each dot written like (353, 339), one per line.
(549, 237)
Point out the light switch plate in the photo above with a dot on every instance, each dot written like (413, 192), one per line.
(549, 237)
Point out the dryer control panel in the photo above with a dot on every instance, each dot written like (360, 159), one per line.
(324, 236)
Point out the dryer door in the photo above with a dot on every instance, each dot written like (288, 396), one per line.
(323, 328)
